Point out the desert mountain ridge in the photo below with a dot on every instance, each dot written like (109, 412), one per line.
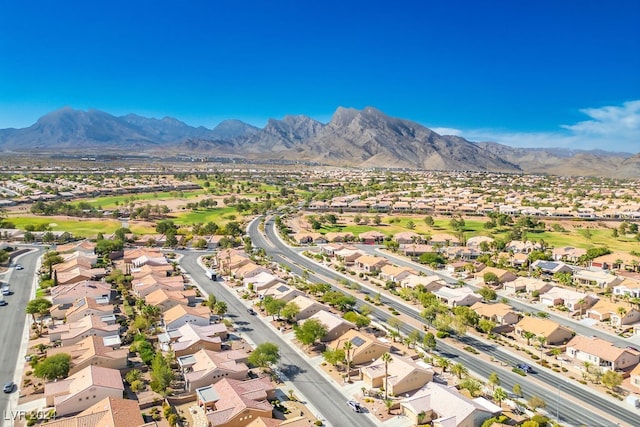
(360, 138)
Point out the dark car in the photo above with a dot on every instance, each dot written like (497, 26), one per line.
(251, 311)
(2, 302)
(8, 387)
(354, 405)
(524, 367)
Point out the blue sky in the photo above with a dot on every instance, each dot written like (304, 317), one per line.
(543, 73)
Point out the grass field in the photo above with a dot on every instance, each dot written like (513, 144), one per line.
(79, 227)
(220, 216)
(112, 202)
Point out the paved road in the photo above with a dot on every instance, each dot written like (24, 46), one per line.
(579, 328)
(13, 318)
(329, 401)
(572, 413)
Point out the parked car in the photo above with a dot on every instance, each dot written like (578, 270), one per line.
(2, 302)
(354, 405)
(8, 387)
(6, 290)
(251, 311)
(524, 367)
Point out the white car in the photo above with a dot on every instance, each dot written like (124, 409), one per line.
(354, 405)
(6, 290)
(19, 267)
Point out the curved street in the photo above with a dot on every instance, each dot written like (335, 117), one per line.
(324, 396)
(544, 385)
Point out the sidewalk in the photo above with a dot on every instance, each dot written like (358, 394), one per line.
(348, 390)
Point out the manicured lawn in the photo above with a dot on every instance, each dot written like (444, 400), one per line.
(218, 215)
(79, 227)
(112, 202)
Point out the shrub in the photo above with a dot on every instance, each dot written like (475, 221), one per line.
(519, 372)
(442, 334)
(318, 423)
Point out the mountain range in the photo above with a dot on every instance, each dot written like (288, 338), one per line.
(360, 138)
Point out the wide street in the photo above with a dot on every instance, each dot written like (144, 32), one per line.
(546, 387)
(579, 328)
(324, 396)
(12, 321)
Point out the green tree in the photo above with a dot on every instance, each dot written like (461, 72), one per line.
(53, 367)
(490, 278)
(611, 379)
(499, 395)
(536, 402)
(472, 385)
(273, 307)
(517, 389)
(220, 308)
(290, 311)
(334, 356)
(486, 325)
(494, 380)
(459, 370)
(310, 332)
(429, 342)
(264, 355)
(161, 374)
(133, 375)
(39, 306)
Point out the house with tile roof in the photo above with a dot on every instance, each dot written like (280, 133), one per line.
(454, 297)
(553, 332)
(234, 403)
(183, 314)
(248, 270)
(67, 294)
(569, 298)
(602, 353)
(635, 379)
(408, 237)
(206, 367)
(371, 237)
(568, 254)
(143, 285)
(308, 307)
(403, 375)
(499, 313)
(74, 332)
(81, 308)
(83, 389)
(446, 407)
(109, 412)
(189, 338)
(394, 273)
(502, 274)
(262, 281)
(336, 325)
(165, 300)
(429, 283)
(93, 350)
(370, 263)
(628, 286)
(281, 292)
(365, 347)
(348, 255)
(616, 313)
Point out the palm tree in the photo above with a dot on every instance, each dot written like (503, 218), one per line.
(581, 302)
(444, 363)
(587, 366)
(386, 358)
(529, 336)
(459, 370)
(494, 380)
(499, 395)
(347, 346)
(541, 342)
